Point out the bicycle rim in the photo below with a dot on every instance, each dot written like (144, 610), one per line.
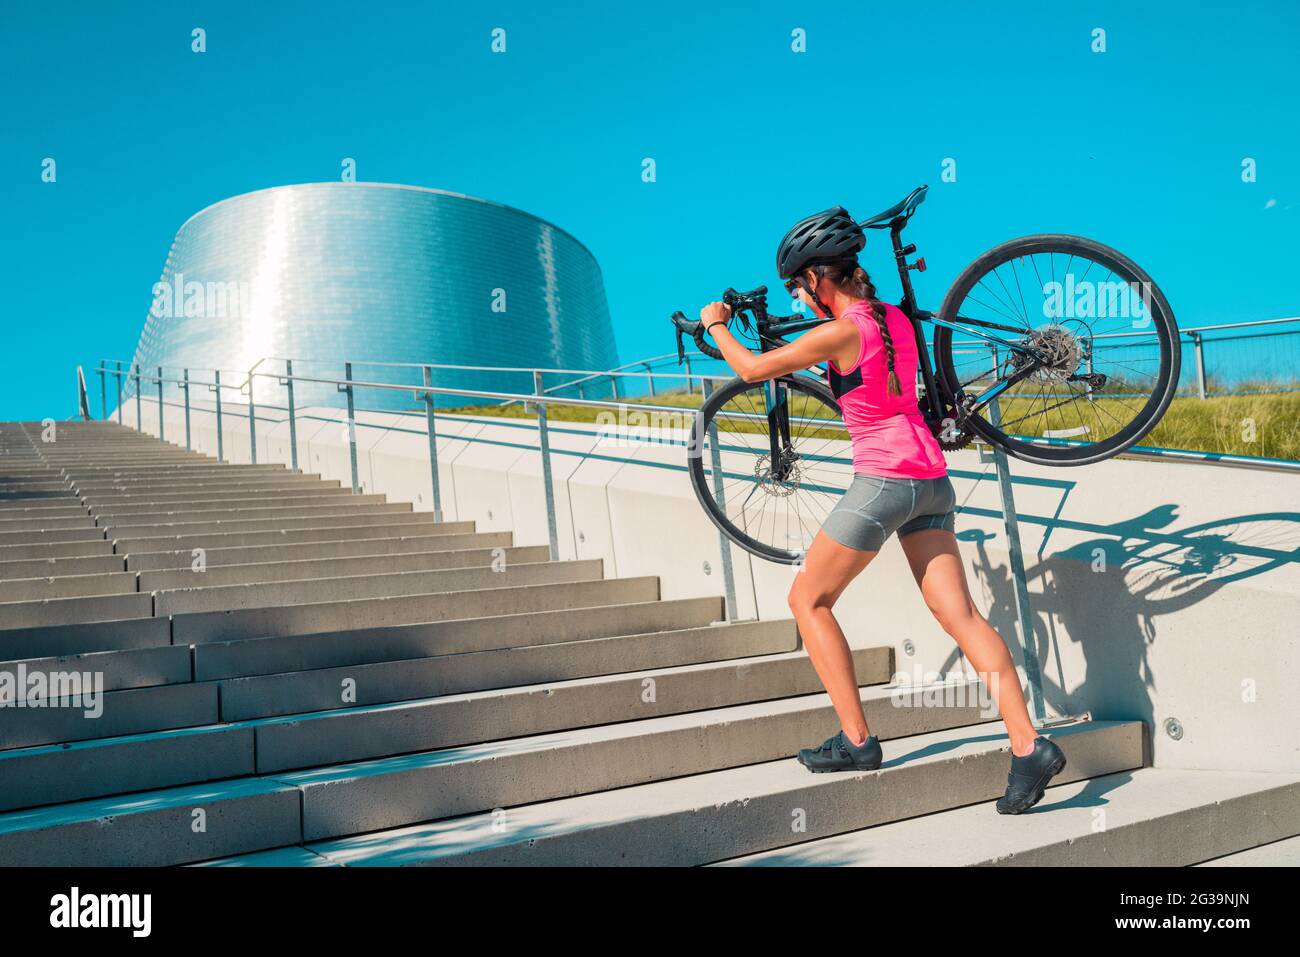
(1104, 327)
(771, 510)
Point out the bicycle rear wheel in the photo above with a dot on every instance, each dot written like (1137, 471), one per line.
(768, 461)
(1105, 328)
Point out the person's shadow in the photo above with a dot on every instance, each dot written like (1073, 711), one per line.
(1109, 593)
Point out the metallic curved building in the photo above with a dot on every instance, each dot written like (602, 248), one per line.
(329, 272)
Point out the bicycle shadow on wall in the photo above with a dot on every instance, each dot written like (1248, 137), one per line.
(1107, 593)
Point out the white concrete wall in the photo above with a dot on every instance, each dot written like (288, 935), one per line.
(1159, 590)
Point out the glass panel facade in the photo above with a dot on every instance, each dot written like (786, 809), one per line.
(329, 272)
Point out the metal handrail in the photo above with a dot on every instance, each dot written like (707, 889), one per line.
(532, 398)
(425, 392)
(593, 374)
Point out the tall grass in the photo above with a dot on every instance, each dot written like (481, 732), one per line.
(1261, 425)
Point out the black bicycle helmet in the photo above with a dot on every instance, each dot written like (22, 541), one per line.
(827, 235)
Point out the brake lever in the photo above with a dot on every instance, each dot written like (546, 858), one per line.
(679, 322)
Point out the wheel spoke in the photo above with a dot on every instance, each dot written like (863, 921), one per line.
(1056, 397)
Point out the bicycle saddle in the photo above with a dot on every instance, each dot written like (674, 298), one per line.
(905, 208)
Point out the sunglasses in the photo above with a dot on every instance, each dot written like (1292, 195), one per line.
(792, 287)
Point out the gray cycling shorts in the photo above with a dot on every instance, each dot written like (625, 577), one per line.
(876, 506)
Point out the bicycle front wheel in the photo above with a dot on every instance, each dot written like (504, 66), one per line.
(768, 461)
(1085, 355)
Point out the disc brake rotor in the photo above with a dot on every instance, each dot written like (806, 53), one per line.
(1059, 347)
(770, 483)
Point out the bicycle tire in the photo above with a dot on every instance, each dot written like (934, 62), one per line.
(698, 459)
(1040, 453)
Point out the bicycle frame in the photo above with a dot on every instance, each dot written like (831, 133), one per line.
(771, 335)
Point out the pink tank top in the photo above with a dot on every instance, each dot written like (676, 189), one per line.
(888, 432)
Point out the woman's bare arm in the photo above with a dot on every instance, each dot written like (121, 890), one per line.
(834, 338)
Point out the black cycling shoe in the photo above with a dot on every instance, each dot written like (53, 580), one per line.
(838, 753)
(1029, 776)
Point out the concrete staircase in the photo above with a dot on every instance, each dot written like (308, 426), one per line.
(293, 674)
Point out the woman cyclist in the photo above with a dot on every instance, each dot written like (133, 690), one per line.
(900, 485)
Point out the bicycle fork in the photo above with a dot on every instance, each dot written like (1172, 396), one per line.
(777, 399)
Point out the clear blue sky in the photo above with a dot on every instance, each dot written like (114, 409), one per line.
(1139, 147)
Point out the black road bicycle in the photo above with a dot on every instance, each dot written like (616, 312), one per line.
(1055, 348)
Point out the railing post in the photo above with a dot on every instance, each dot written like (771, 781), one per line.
(139, 418)
(433, 447)
(119, 390)
(160, 404)
(352, 425)
(1016, 560)
(293, 422)
(544, 440)
(613, 387)
(252, 421)
(185, 387)
(103, 392)
(650, 378)
(719, 496)
(217, 389)
(1200, 364)
(687, 362)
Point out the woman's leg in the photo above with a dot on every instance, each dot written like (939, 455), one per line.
(936, 565)
(827, 570)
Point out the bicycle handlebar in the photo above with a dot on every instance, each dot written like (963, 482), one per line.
(740, 303)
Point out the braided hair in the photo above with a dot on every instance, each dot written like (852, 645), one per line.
(849, 276)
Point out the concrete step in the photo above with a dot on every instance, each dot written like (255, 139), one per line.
(1283, 853)
(26, 523)
(205, 511)
(89, 714)
(364, 732)
(280, 857)
(363, 646)
(76, 510)
(431, 539)
(37, 536)
(333, 517)
(128, 831)
(117, 670)
(227, 598)
(22, 502)
(1151, 817)
(171, 484)
(409, 679)
(202, 627)
(47, 567)
(42, 552)
(191, 486)
(139, 461)
(66, 586)
(67, 611)
(339, 567)
(201, 492)
(46, 640)
(379, 527)
(136, 465)
(133, 467)
(777, 807)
